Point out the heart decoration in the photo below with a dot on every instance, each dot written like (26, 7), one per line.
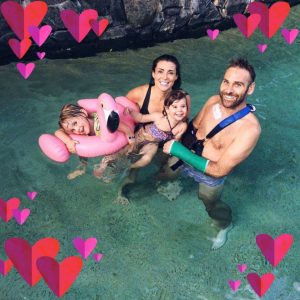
(5, 266)
(7, 208)
(59, 276)
(289, 35)
(97, 256)
(242, 268)
(261, 284)
(19, 19)
(99, 26)
(262, 47)
(25, 70)
(85, 247)
(274, 250)
(213, 33)
(24, 256)
(19, 48)
(247, 25)
(21, 215)
(78, 25)
(271, 18)
(32, 195)
(234, 284)
(40, 35)
(40, 55)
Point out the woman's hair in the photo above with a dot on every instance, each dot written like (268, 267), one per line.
(69, 111)
(173, 59)
(173, 96)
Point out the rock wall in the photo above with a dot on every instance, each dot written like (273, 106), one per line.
(132, 23)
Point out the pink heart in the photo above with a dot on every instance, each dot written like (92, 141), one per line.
(19, 47)
(262, 47)
(213, 33)
(274, 250)
(39, 35)
(289, 35)
(25, 70)
(242, 268)
(85, 247)
(234, 284)
(41, 55)
(5, 266)
(261, 284)
(7, 208)
(21, 215)
(99, 26)
(31, 195)
(247, 25)
(78, 25)
(97, 256)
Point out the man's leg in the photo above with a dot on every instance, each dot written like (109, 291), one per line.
(219, 211)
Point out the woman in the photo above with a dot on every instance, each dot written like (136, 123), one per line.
(150, 98)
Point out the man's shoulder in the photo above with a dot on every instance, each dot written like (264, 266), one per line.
(250, 126)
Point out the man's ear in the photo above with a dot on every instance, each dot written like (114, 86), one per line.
(251, 88)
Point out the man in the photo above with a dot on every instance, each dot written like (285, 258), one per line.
(221, 136)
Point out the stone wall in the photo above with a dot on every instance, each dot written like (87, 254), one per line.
(132, 23)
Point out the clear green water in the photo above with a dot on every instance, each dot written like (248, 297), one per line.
(155, 248)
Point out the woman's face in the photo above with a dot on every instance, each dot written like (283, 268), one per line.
(164, 75)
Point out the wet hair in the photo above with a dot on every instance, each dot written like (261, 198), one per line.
(174, 95)
(69, 111)
(173, 59)
(243, 64)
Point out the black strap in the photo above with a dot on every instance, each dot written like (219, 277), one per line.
(144, 110)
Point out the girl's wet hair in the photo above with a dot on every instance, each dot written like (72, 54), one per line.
(173, 59)
(69, 111)
(173, 96)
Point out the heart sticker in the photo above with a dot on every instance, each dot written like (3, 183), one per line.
(234, 284)
(274, 250)
(85, 247)
(32, 195)
(261, 284)
(5, 266)
(78, 25)
(7, 208)
(40, 35)
(247, 25)
(21, 215)
(271, 18)
(99, 26)
(289, 35)
(19, 48)
(213, 33)
(59, 276)
(24, 256)
(19, 18)
(25, 70)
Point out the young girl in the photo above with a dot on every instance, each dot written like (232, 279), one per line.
(75, 119)
(169, 124)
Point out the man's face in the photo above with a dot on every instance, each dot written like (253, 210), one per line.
(235, 86)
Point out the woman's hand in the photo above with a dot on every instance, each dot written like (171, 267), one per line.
(71, 146)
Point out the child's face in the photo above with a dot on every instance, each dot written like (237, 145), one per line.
(77, 125)
(177, 110)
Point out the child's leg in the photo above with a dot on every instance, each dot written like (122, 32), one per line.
(147, 152)
(80, 170)
(100, 168)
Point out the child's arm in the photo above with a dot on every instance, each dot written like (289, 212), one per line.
(139, 118)
(181, 131)
(127, 131)
(60, 133)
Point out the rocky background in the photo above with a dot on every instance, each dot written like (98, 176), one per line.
(132, 23)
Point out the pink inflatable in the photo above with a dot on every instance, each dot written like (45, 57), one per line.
(92, 146)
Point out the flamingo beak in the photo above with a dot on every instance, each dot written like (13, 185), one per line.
(113, 121)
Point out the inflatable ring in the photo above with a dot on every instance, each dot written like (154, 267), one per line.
(92, 146)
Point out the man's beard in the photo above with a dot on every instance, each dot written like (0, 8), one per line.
(235, 103)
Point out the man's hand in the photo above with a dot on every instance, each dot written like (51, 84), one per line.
(71, 146)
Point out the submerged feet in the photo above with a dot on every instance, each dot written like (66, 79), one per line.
(80, 171)
(221, 237)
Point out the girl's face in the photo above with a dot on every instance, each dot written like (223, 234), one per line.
(164, 75)
(77, 125)
(177, 110)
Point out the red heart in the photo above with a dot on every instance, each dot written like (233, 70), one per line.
(5, 266)
(19, 47)
(24, 256)
(261, 284)
(99, 26)
(274, 250)
(59, 276)
(19, 18)
(6, 208)
(247, 25)
(78, 25)
(271, 18)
